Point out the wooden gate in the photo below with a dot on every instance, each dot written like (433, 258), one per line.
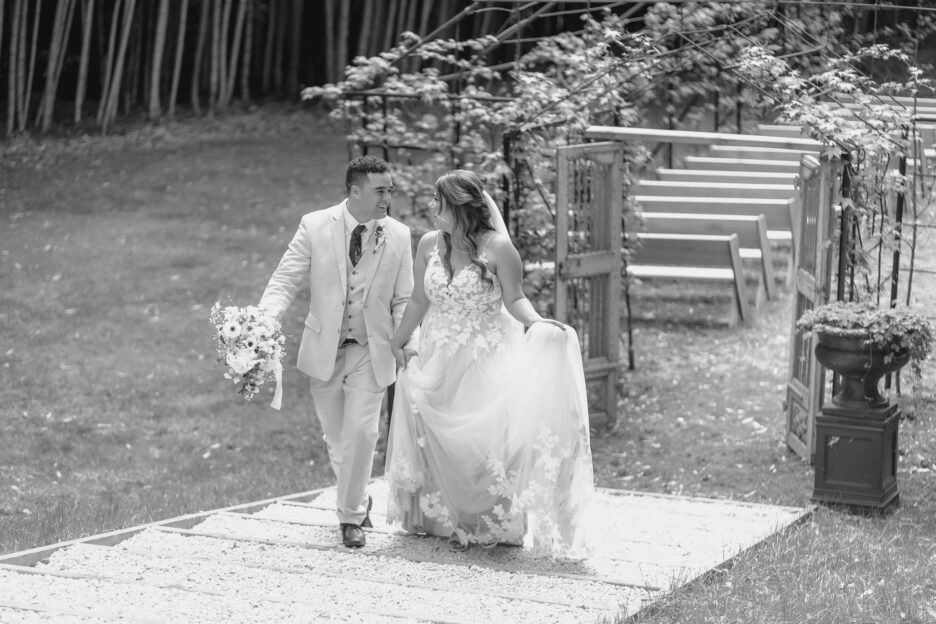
(589, 204)
(819, 192)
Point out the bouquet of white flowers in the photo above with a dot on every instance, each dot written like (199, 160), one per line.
(250, 344)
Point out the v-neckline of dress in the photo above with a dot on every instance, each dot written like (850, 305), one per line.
(481, 254)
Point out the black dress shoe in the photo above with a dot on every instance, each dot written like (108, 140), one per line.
(366, 522)
(352, 535)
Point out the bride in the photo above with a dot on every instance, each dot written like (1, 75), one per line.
(489, 440)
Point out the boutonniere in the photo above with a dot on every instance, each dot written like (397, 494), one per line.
(379, 238)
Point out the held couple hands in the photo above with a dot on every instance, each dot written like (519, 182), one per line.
(402, 355)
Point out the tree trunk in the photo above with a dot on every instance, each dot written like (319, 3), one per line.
(279, 41)
(13, 75)
(109, 62)
(114, 94)
(364, 29)
(266, 68)
(223, 73)
(162, 24)
(235, 51)
(61, 27)
(87, 7)
(424, 18)
(344, 28)
(248, 52)
(330, 64)
(199, 55)
(2, 10)
(411, 26)
(34, 49)
(295, 47)
(177, 63)
(486, 22)
(214, 65)
(136, 62)
(389, 25)
(374, 41)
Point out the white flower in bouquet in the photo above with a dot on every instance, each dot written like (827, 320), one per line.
(250, 345)
(231, 329)
(240, 362)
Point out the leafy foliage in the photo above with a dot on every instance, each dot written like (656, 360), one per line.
(857, 121)
(891, 330)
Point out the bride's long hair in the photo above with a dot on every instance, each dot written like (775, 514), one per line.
(463, 192)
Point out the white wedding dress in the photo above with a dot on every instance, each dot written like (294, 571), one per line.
(489, 439)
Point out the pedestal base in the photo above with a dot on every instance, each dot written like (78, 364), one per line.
(856, 456)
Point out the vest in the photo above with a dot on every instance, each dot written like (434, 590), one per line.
(352, 324)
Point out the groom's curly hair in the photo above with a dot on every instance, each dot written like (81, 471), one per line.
(463, 192)
(361, 166)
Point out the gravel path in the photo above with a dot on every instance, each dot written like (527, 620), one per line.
(27, 616)
(284, 563)
(163, 604)
(341, 592)
(481, 579)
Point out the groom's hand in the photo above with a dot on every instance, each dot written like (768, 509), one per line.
(402, 356)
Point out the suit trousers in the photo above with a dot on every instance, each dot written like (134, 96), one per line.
(348, 407)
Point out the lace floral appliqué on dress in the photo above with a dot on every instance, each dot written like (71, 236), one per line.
(489, 437)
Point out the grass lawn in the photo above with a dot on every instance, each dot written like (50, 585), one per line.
(113, 411)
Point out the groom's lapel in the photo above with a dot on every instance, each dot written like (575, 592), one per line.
(377, 253)
(337, 234)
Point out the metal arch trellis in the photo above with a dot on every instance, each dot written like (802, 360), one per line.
(510, 32)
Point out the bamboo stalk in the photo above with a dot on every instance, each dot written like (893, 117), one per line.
(199, 55)
(162, 26)
(109, 61)
(177, 64)
(12, 77)
(113, 97)
(87, 7)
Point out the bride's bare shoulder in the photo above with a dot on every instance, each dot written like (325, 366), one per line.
(498, 243)
(427, 243)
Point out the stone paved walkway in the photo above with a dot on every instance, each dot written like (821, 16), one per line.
(282, 561)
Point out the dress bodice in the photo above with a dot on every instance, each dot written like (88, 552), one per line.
(465, 311)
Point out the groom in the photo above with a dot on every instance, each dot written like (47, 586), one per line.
(359, 266)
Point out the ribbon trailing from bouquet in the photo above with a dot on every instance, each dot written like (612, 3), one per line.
(278, 377)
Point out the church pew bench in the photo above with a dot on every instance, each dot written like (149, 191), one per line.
(762, 153)
(742, 164)
(713, 189)
(688, 257)
(780, 215)
(752, 240)
(732, 177)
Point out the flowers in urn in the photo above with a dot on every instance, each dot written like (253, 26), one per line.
(894, 331)
(250, 345)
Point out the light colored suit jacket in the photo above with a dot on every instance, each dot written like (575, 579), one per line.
(318, 254)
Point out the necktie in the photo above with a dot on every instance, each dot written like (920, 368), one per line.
(354, 251)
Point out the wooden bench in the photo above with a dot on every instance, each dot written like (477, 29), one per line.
(780, 130)
(741, 164)
(926, 131)
(713, 189)
(761, 153)
(780, 215)
(685, 257)
(751, 232)
(732, 177)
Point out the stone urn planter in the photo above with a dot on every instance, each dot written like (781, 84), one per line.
(861, 366)
(856, 434)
